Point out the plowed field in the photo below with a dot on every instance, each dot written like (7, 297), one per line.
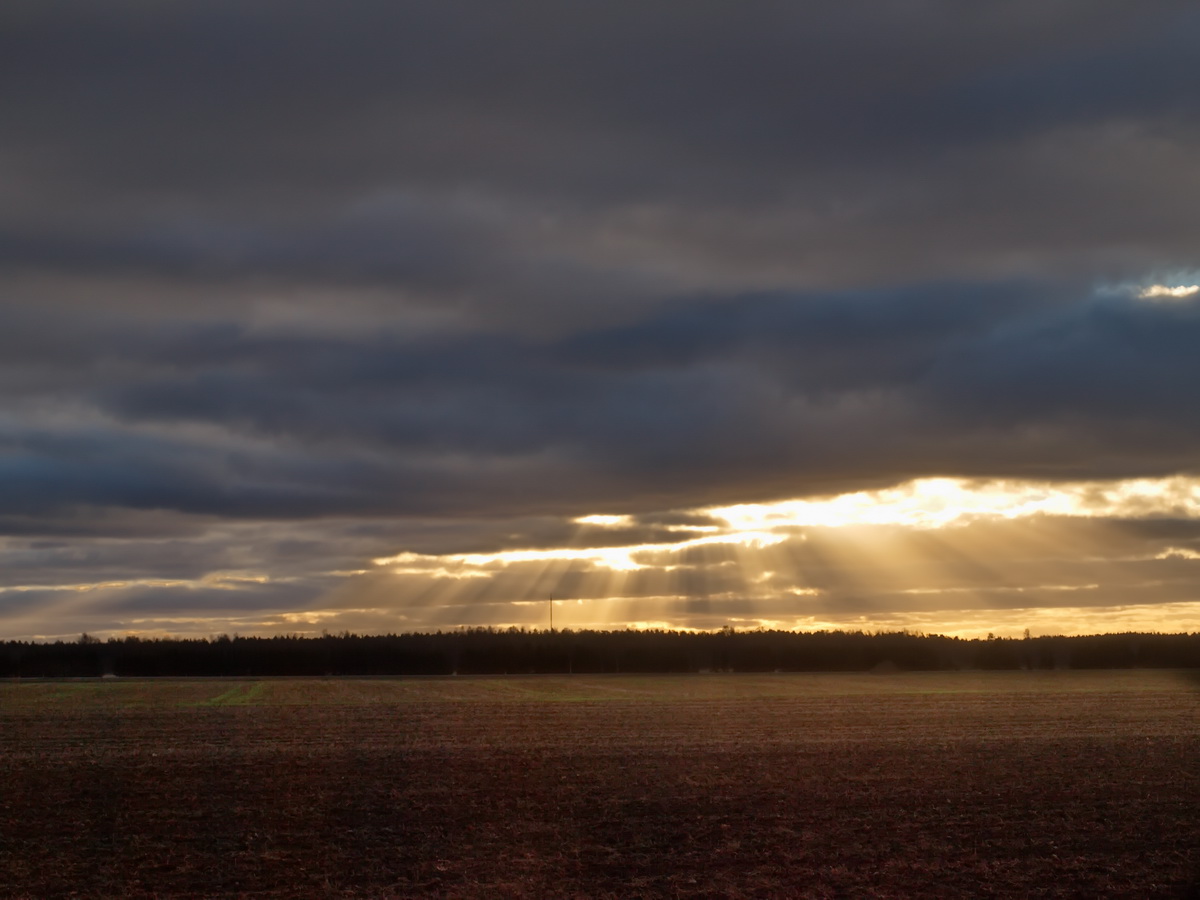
(1061, 784)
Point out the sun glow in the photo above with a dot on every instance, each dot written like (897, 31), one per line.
(1178, 553)
(953, 551)
(922, 504)
(1169, 292)
(605, 521)
(226, 581)
(939, 502)
(619, 559)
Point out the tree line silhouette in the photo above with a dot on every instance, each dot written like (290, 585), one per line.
(487, 651)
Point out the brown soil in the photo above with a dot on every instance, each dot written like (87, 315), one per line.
(892, 794)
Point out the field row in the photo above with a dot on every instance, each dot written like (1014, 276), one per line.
(200, 692)
(1033, 793)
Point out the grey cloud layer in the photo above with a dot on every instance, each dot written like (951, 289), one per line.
(708, 401)
(813, 145)
(460, 271)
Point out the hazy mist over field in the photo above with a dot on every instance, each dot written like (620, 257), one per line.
(409, 316)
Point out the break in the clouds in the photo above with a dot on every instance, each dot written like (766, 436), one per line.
(523, 297)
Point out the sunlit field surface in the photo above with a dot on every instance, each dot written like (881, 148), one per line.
(958, 785)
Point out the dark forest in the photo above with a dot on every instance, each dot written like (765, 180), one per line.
(518, 652)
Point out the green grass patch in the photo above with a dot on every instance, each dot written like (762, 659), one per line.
(114, 694)
(238, 695)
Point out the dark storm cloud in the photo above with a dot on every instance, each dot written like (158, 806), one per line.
(768, 76)
(707, 401)
(443, 276)
(1110, 356)
(219, 138)
(839, 341)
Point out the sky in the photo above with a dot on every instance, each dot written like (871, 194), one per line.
(411, 316)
